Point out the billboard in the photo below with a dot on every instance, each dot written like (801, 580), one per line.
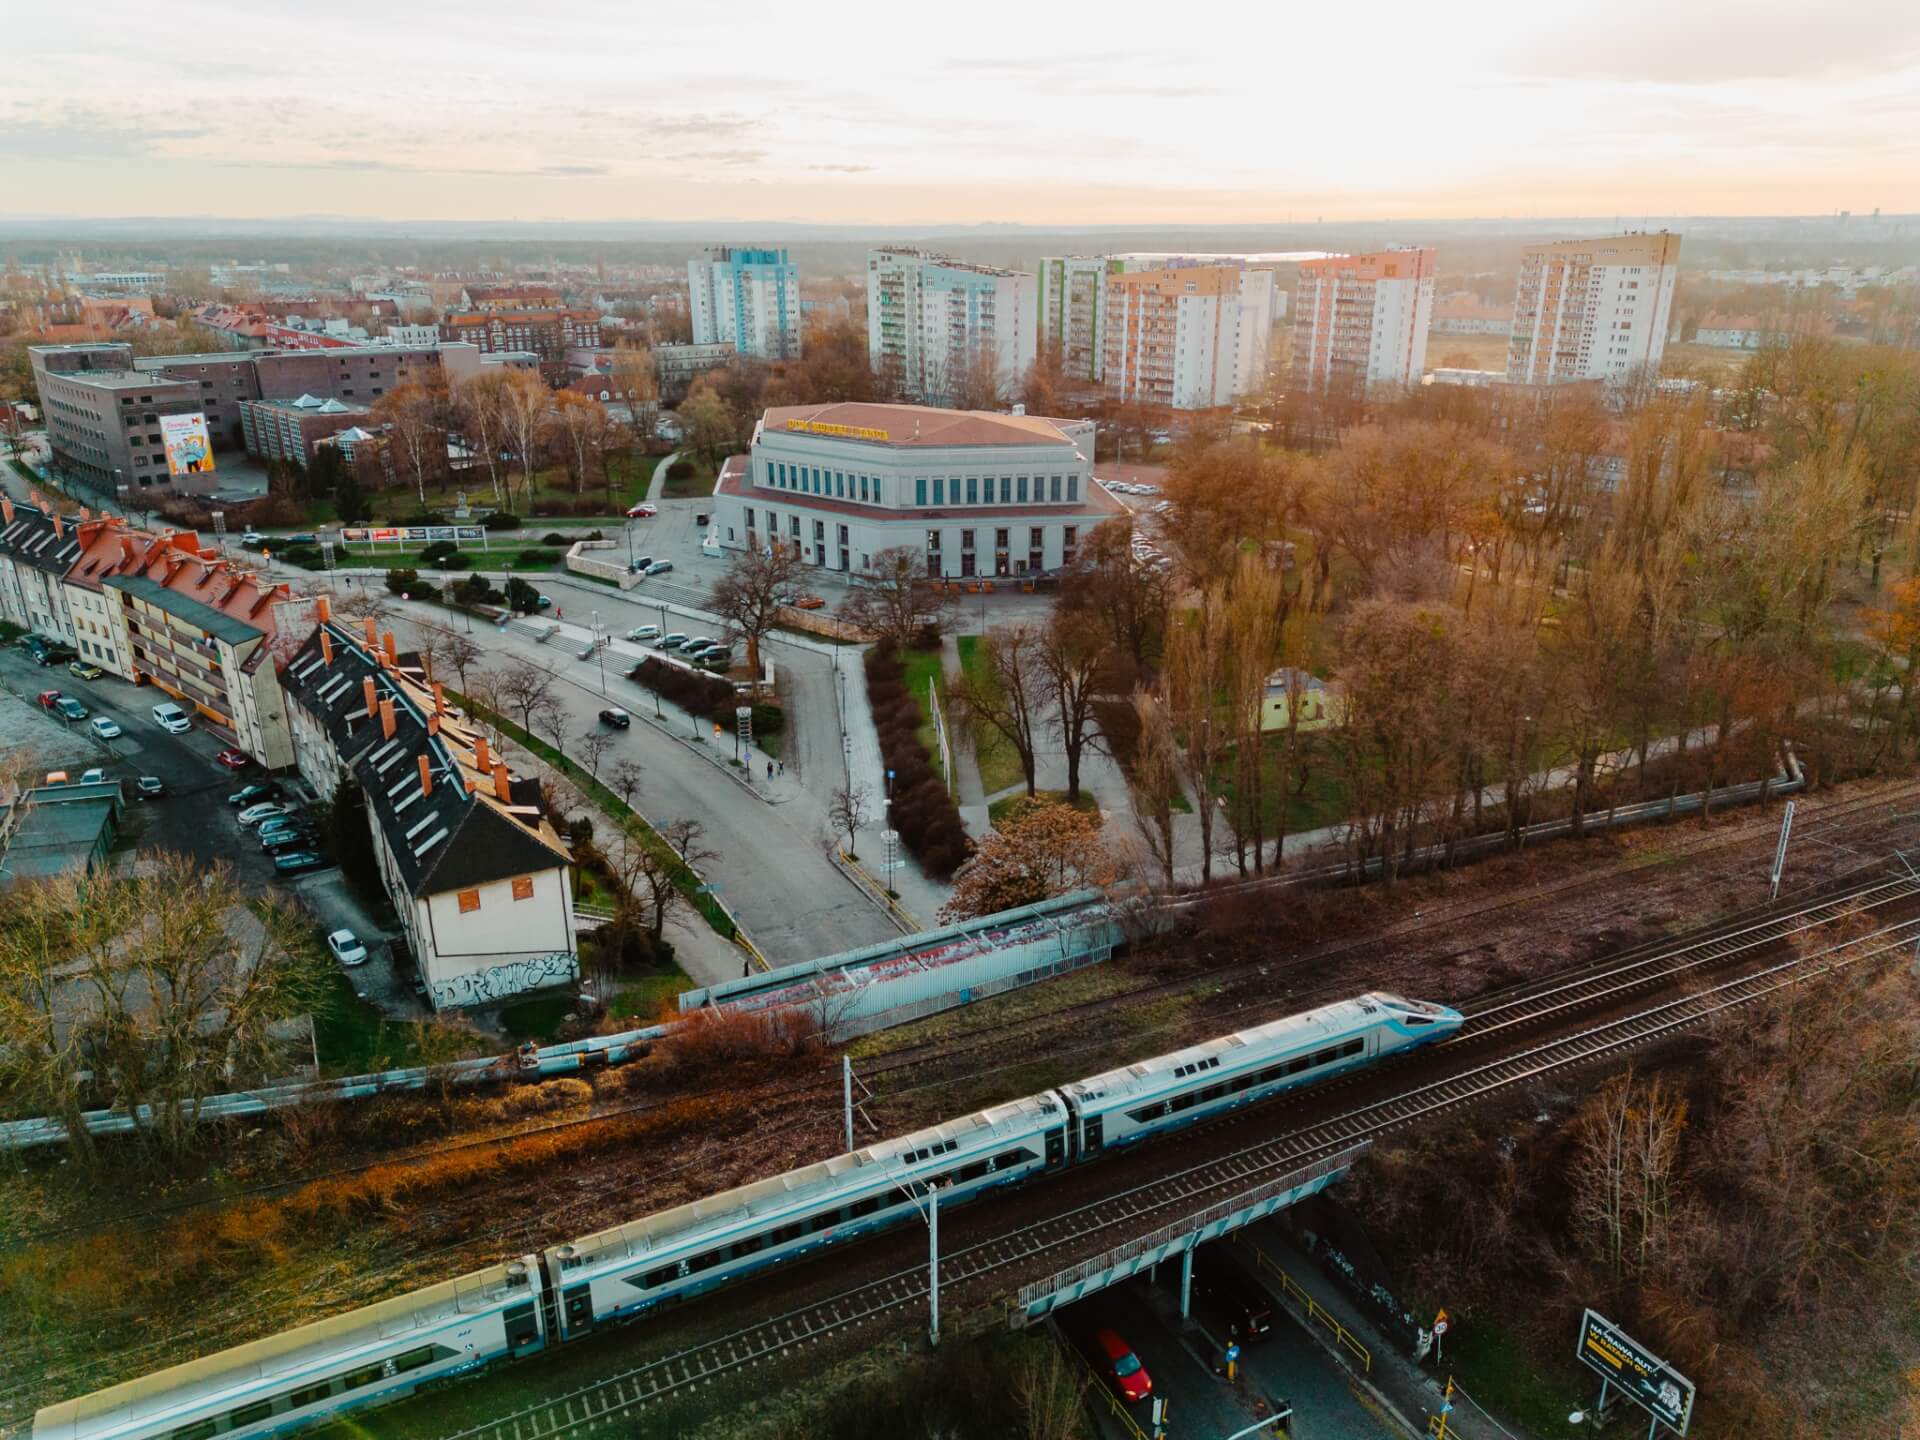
(189, 447)
(1652, 1384)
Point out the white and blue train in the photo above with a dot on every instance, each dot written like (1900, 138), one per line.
(379, 1353)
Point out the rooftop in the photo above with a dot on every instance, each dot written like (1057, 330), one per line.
(925, 426)
(184, 607)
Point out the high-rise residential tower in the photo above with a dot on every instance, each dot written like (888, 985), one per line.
(1189, 337)
(938, 327)
(749, 299)
(1592, 309)
(1361, 320)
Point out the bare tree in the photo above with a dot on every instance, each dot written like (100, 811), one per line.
(555, 719)
(688, 838)
(647, 871)
(581, 424)
(635, 383)
(1195, 680)
(848, 812)
(897, 603)
(480, 407)
(459, 654)
(1006, 693)
(625, 781)
(593, 749)
(415, 418)
(748, 596)
(526, 420)
(522, 688)
(1153, 781)
(1075, 655)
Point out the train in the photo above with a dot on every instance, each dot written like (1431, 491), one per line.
(381, 1352)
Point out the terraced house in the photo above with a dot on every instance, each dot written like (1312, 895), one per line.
(480, 879)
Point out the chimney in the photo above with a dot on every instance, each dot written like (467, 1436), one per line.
(393, 651)
(502, 785)
(6, 508)
(59, 526)
(373, 700)
(482, 760)
(326, 648)
(439, 698)
(426, 777)
(373, 640)
(126, 548)
(386, 718)
(433, 724)
(323, 607)
(85, 514)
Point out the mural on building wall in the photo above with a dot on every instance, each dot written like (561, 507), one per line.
(503, 981)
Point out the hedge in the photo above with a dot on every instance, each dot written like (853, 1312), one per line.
(923, 811)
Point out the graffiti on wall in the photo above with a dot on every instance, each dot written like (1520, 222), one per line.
(481, 987)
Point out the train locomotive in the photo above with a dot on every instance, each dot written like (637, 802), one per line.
(378, 1353)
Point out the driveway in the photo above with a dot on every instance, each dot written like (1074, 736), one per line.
(334, 906)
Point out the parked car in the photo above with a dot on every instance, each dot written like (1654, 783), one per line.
(546, 602)
(279, 842)
(643, 632)
(94, 776)
(81, 670)
(1122, 1367)
(58, 655)
(254, 814)
(253, 539)
(254, 794)
(659, 567)
(69, 708)
(642, 511)
(106, 727)
(1234, 1297)
(808, 602)
(150, 787)
(282, 826)
(171, 718)
(697, 644)
(233, 759)
(48, 699)
(672, 640)
(303, 538)
(346, 948)
(639, 567)
(718, 658)
(617, 718)
(294, 861)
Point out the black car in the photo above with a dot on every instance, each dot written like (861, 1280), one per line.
(1233, 1297)
(284, 842)
(618, 719)
(304, 538)
(254, 794)
(295, 861)
(58, 655)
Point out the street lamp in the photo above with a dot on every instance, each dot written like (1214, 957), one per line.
(931, 1214)
(599, 644)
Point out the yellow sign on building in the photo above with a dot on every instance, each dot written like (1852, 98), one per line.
(850, 432)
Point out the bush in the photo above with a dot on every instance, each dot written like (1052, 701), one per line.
(923, 812)
(307, 557)
(554, 537)
(522, 597)
(477, 590)
(587, 507)
(438, 551)
(680, 470)
(709, 1038)
(403, 582)
(697, 694)
(501, 520)
(535, 559)
(456, 561)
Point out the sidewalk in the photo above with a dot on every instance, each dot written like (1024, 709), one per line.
(658, 484)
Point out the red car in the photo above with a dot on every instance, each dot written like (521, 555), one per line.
(233, 759)
(49, 699)
(1124, 1369)
(642, 512)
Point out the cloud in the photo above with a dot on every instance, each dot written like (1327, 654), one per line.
(843, 169)
(575, 170)
(741, 155)
(1705, 42)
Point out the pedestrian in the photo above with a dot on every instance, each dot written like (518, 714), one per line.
(558, 613)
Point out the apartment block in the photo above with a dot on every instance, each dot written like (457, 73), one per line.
(548, 334)
(1073, 311)
(932, 320)
(481, 880)
(1362, 320)
(1592, 309)
(289, 429)
(746, 298)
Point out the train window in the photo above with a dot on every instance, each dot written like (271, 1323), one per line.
(788, 1232)
(248, 1414)
(665, 1275)
(901, 1196)
(1012, 1157)
(825, 1220)
(969, 1173)
(703, 1262)
(863, 1207)
(362, 1377)
(414, 1359)
(312, 1394)
(1353, 1047)
(749, 1246)
(1242, 1082)
(1212, 1093)
(201, 1431)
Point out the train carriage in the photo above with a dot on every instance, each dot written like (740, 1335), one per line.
(288, 1381)
(1136, 1101)
(621, 1272)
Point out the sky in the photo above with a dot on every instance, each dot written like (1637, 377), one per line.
(896, 113)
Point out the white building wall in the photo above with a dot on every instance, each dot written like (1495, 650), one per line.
(500, 947)
(100, 631)
(1402, 315)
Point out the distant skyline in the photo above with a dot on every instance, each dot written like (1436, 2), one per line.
(862, 114)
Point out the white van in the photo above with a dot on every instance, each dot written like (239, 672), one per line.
(171, 718)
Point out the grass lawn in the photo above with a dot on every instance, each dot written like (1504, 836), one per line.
(1322, 802)
(641, 999)
(701, 482)
(1003, 807)
(353, 1037)
(630, 475)
(920, 667)
(1497, 1370)
(536, 1019)
(999, 762)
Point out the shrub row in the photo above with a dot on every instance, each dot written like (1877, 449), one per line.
(923, 812)
(581, 506)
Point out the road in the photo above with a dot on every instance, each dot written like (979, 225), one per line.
(771, 867)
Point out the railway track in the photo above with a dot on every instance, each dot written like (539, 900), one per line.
(1090, 1227)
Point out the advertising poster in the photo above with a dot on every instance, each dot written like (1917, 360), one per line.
(189, 447)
